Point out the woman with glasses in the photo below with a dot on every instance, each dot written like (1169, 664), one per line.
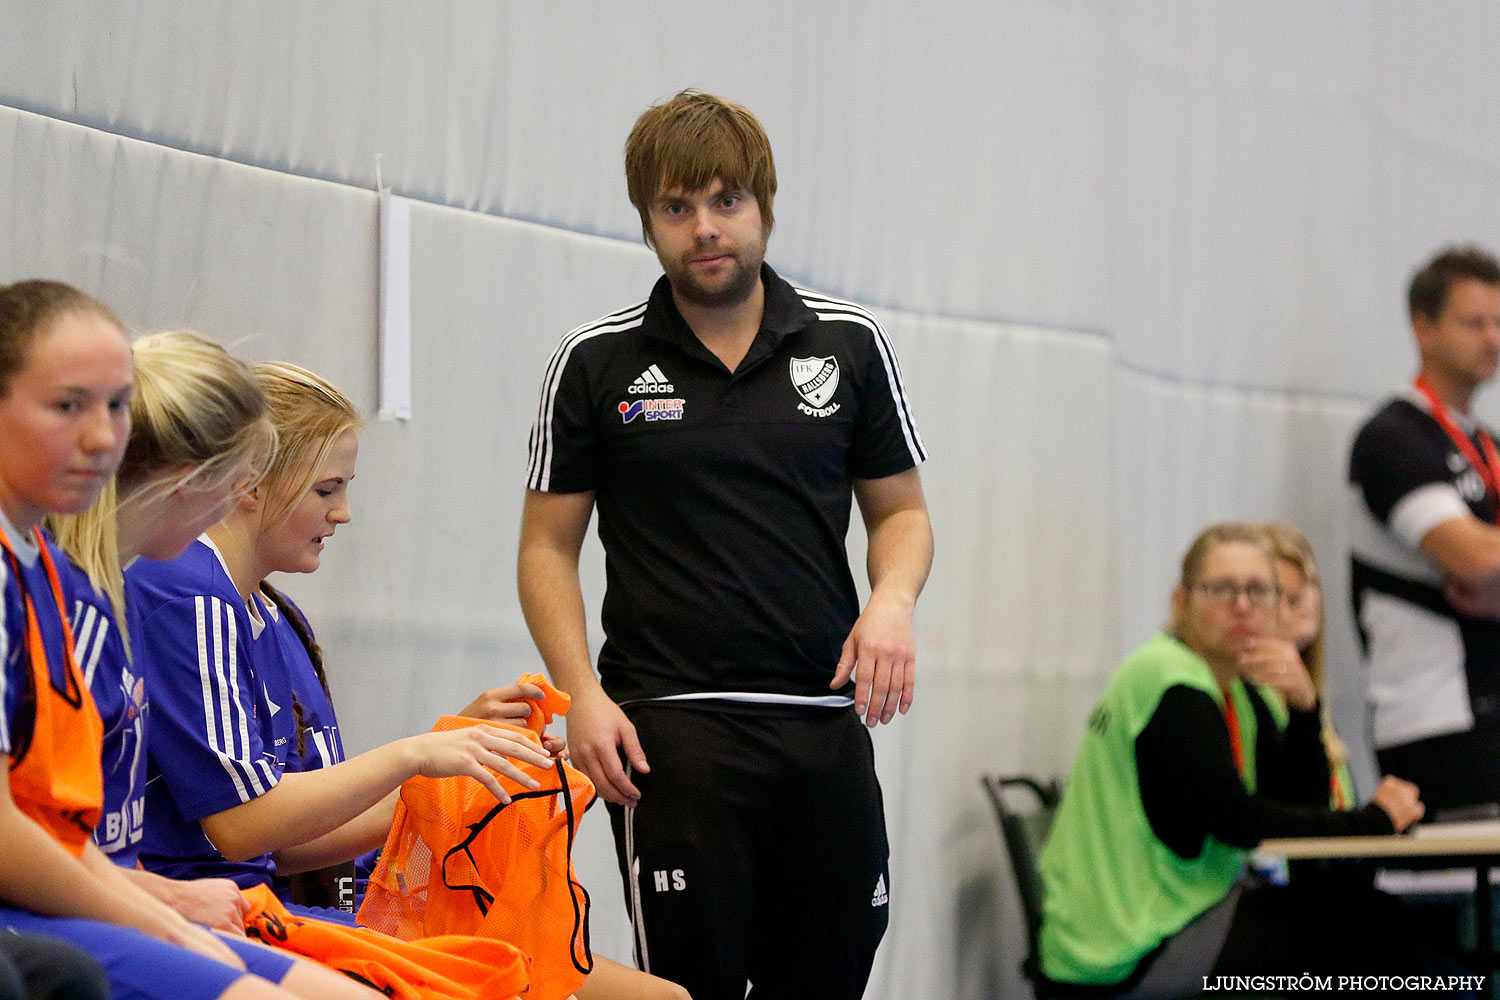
(1206, 741)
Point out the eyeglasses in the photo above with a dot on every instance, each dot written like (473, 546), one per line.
(1262, 596)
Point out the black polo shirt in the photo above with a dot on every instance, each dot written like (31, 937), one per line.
(724, 498)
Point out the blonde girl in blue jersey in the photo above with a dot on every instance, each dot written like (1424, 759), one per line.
(65, 388)
(234, 800)
(281, 526)
(199, 431)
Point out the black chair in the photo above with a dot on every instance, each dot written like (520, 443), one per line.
(1024, 834)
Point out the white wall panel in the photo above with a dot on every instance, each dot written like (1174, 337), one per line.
(1435, 76)
(521, 109)
(274, 264)
(1247, 180)
(422, 593)
(1015, 630)
(1144, 263)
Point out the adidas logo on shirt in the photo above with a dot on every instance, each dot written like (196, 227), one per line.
(881, 897)
(650, 382)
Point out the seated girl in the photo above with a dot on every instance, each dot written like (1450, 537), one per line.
(198, 424)
(223, 728)
(1302, 624)
(65, 389)
(1206, 741)
(234, 795)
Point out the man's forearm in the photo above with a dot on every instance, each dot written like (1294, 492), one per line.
(900, 556)
(552, 602)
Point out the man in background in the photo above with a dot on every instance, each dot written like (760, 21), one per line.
(1426, 545)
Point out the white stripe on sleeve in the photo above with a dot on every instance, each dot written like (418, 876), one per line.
(834, 310)
(539, 467)
(89, 630)
(321, 742)
(216, 696)
(1423, 509)
(243, 724)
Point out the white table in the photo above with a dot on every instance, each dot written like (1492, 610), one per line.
(1473, 844)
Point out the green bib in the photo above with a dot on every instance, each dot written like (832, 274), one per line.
(1113, 892)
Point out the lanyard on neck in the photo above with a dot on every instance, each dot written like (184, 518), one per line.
(1487, 465)
(1232, 720)
(1336, 790)
(35, 647)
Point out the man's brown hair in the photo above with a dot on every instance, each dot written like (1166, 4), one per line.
(1428, 292)
(691, 140)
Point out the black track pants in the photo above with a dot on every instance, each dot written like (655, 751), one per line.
(757, 852)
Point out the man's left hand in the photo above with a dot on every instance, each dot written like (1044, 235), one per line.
(881, 654)
(1476, 601)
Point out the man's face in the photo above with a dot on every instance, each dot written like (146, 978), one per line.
(1463, 342)
(710, 243)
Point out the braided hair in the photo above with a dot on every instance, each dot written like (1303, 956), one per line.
(304, 632)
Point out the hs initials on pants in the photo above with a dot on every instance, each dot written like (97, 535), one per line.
(668, 881)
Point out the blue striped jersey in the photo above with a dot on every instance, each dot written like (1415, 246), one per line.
(119, 689)
(218, 739)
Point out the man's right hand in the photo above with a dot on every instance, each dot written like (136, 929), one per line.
(597, 731)
(1399, 800)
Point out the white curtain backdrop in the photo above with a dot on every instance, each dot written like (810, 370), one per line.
(1144, 263)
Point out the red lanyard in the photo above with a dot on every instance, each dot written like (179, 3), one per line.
(1232, 720)
(1488, 466)
(52, 578)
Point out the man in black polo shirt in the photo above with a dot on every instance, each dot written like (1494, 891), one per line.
(721, 427)
(1425, 568)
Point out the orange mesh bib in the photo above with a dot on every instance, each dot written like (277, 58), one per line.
(458, 862)
(435, 968)
(55, 772)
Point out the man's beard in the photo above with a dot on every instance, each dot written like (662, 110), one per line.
(737, 289)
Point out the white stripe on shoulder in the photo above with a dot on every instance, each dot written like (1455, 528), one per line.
(85, 616)
(88, 641)
(217, 699)
(539, 464)
(817, 300)
(829, 308)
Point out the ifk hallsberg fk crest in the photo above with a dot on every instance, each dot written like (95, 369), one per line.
(815, 380)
